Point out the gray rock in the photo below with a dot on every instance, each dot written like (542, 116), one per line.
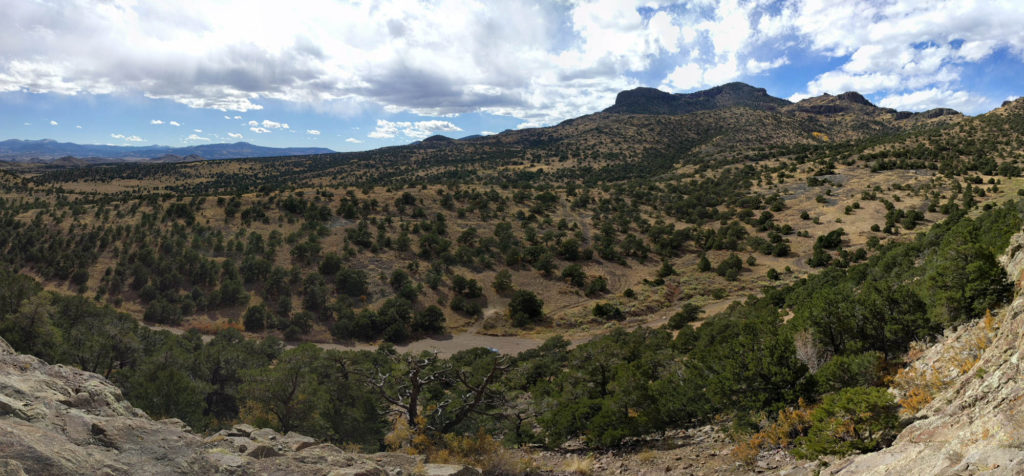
(973, 425)
(11, 468)
(449, 470)
(296, 442)
(241, 429)
(264, 434)
(364, 469)
(57, 420)
(263, 451)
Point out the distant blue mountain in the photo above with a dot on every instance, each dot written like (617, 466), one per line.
(47, 150)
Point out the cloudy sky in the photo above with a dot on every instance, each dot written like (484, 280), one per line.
(353, 75)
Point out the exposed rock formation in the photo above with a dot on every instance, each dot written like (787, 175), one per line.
(975, 425)
(58, 420)
(653, 101)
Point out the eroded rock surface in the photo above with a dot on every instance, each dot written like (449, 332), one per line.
(58, 420)
(976, 424)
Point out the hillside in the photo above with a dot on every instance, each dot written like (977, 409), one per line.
(594, 206)
(965, 388)
(721, 260)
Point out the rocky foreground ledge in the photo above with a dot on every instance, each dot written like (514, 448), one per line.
(59, 420)
(976, 424)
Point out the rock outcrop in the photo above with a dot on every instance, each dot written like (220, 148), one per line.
(58, 420)
(975, 423)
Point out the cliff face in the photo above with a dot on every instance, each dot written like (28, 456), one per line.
(58, 420)
(974, 423)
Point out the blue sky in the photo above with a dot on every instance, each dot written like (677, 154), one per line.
(359, 75)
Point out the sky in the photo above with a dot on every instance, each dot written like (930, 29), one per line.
(355, 75)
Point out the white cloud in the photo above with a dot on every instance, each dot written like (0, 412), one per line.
(197, 130)
(353, 140)
(234, 135)
(533, 60)
(127, 138)
(174, 123)
(312, 132)
(487, 133)
(272, 125)
(416, 130)
(932, 98)
(259, 130)
(911, 51)
(194, 138)
(227, 117)
(78, 126)
(156, 122)
(28, 123)
(754, 66)
(684, 77)
(53, 123)
(268, 124)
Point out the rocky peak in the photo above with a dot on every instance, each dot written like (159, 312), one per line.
(827, 104)
(854, 97)
(57, 420)
(939, 112)
(654, 101)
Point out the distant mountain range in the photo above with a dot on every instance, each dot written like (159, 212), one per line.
(47, 150)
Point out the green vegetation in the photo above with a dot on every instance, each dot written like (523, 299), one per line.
(581, 226)
(741, 362)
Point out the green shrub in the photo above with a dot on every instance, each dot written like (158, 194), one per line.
(525, 308)
(689, 313)
(857, 419)
(608, 312)
(859, 370)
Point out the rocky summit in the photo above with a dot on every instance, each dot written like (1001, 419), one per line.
(57, 420)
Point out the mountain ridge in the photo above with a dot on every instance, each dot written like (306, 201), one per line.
(19, 150)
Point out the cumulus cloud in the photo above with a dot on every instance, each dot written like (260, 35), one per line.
(156, 122)
(53, 123)
(487, 133)
(78, 126)
(416, 130)
(534, 60)
(260, 130)
(174, 123)
(197, 130)
(273, 125)
(312, 132)
(910, 52)
(268, 124)
(127, 138)
(196, 138)
(353, 140)
(234, 135)
(932, 98)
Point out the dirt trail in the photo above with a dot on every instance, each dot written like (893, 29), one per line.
(448, 345)
(445, 346)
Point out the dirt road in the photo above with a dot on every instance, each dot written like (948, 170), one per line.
(448, 345)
